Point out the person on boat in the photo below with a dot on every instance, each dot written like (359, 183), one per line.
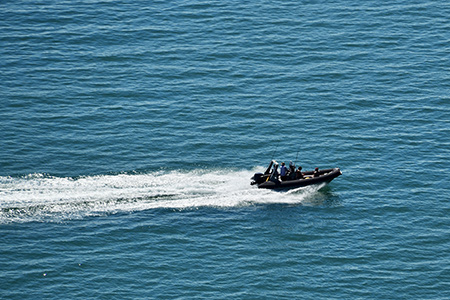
(298, 173)
(291, 171)
(316, 172)
(274, 176)
(283, 171)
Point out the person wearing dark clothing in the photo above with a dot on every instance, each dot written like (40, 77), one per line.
(316, 172)
(274, 176)
(298, 173)
(292, 174)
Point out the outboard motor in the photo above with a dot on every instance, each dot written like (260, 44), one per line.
(257, 178)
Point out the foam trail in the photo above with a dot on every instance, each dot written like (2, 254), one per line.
(45, 198)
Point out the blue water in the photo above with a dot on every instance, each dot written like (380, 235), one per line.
(129, 132)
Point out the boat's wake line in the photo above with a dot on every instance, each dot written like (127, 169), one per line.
(45, 198)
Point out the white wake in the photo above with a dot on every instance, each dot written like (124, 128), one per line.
(45, 198)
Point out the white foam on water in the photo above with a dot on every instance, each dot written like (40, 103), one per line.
(47, 199)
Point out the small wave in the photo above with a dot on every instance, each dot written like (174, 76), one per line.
(43, 198)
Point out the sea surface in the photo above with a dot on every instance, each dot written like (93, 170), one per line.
(129, 131)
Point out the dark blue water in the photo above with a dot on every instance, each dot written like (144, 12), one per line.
(129, 133)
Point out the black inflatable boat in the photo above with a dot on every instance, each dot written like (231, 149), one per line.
(270, 179)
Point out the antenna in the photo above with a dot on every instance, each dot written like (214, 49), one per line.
(273, 154)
